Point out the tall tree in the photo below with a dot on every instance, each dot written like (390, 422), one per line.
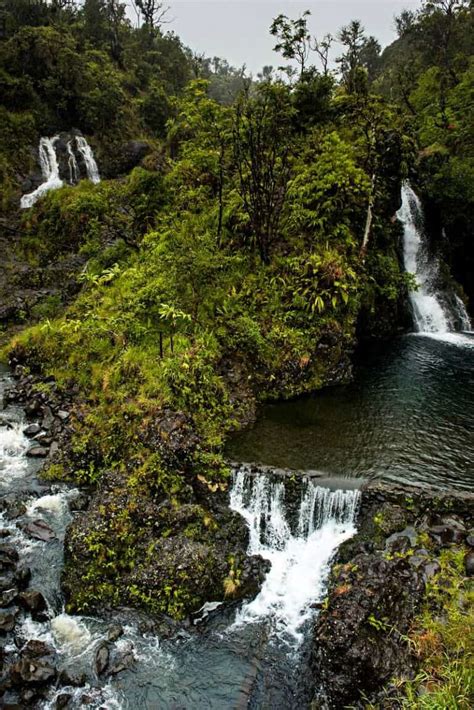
(153, 12)
(294, 40)
(352, 37)
(322, 48)
(438, 36)
(262, 153)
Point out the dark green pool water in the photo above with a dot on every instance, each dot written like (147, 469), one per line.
(408, 415)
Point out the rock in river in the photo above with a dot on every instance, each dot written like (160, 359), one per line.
(39, 530)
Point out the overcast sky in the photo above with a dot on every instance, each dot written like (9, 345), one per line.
(237, 30)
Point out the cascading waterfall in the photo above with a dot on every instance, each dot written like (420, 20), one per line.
(464, 319)
(298, 534)
(431, 313)
(300, 551)
(89, 160)
(72, 164)
(49, 169)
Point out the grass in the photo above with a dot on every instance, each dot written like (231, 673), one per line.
(442, 639)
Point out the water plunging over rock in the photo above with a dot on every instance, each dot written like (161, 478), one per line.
(73, 166)
(299, 550)
(49, 170)
(61, 158)
(434, 311)
(89, 160)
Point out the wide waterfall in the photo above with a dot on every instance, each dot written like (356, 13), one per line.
(299, 549)
(224, 664)
(58, 157)
(49, 170)
(433, 311)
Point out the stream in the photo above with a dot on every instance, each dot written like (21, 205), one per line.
(247, 656)
(406, 417)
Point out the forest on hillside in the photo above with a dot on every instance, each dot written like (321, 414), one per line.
(241, 242)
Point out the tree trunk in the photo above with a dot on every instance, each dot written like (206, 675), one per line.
(368, 221)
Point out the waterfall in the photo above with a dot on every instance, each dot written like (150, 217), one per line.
(431, 312)
(72, 164)
(299, 549)
(51, 166)
(464, 319)
(49, 169)
(89, 160)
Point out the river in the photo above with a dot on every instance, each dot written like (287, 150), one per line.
(406, 417)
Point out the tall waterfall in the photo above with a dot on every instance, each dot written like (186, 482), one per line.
(299, 549)
(49, 169)
(58, 158)
(431, 312)
(89, 160)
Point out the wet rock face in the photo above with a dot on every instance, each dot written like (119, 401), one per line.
(372, 594)
(48, 407)
(185, 547)
(377, 587)
(35, 603)
(124, 158)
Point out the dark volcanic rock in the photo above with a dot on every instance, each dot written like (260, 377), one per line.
(469, 564)
(37, 452)
(32, 430)
(8, 596)
(376, 589)
(13, 508)
(22, 575)
(39, 530)
(63, 700)
(102, 657)
(32, 671)
(126, 157)
(38, 649)
(69, 676)
(7, 620)
(192, 542)
(35, 603)
(349, 653)
(114, 632)
(8, 556)
(122, 662)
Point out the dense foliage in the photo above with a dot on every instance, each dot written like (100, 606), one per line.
(428, 71)
(237, 262)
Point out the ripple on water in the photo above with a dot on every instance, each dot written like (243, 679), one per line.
(407, 416)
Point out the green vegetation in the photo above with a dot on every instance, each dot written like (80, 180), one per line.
(428, 71)
(442, 638)
(234, 265)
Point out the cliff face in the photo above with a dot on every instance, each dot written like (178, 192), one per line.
(398, 611)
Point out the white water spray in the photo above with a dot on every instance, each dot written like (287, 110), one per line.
(463, 315)
(49, 169)
(89, 160)
(431, 314)
(300, 557)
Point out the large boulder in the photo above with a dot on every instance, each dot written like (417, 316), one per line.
(124, 158)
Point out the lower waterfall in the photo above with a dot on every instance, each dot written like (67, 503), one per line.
(249, 658)
(299, 546)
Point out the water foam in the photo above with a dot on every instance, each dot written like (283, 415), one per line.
(300, 554)
(50, 171)
(432, 313)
